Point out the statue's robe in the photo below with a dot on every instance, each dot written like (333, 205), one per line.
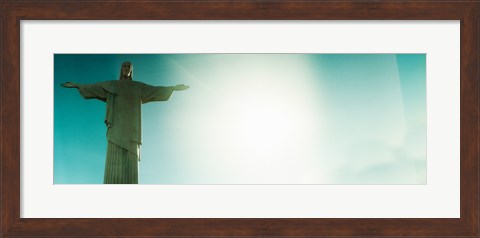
(124, 123)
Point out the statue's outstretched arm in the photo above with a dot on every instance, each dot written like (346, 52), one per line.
(180, 87)
(89, 91)
(159, 93)
(69, 85)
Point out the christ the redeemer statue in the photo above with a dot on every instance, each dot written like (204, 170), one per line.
(124, 98)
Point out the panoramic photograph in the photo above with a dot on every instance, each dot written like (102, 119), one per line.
(238, 119)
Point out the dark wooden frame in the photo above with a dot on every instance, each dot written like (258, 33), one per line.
(12, 12)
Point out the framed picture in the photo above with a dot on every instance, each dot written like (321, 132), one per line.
(297, 119)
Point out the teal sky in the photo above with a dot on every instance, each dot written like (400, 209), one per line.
(254, 118)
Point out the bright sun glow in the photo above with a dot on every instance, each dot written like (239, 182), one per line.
(265, 122)
(273, 119)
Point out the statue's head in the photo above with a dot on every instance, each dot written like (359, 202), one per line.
(126, 71)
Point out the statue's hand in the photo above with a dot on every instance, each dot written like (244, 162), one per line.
(69, 85)
(180, 87)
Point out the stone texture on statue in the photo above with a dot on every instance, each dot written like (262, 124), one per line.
(124, 99)
(123, 120)
(121, 166)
